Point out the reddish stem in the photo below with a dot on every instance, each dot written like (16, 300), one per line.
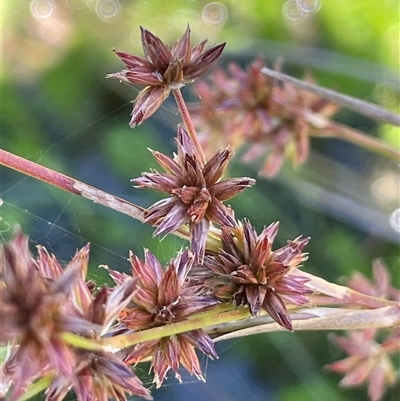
(69, 184)
(188, 123)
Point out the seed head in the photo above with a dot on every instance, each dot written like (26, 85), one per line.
(163, 297)
(196, 190)
(249, 272)
(41, 301)
(163, 68)
(249, 107)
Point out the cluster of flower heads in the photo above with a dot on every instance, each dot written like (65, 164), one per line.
(245, 106)
(369, 350)
(40, 303)
(162, 297)
(248, 271)
(46, 310)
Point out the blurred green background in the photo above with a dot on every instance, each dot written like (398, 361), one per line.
(58, 109)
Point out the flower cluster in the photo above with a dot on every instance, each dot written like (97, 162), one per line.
(66, 332)
(248, 107)
(249, 272)
(40, 303)
(163, 68)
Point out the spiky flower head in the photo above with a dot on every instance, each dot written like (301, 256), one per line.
(101, 375)
(162, 297)
(248, 271)
(163, 68)
(249, 107)
(196, 190)
(380, 286)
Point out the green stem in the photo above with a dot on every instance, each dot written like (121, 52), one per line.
(81, 342)
(36, 387)
(222, 313)
(188, 123)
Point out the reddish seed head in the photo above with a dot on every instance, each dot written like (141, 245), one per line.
(163, 68)
(40, 301)
(196, 190)
(163, 297)
(249, 272)
(249, 107)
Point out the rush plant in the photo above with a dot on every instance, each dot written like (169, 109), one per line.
(62, 332)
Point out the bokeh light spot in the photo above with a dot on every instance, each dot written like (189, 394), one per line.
(107, 8)
(42, 8)
(292, 11)
(309, 6)
(385, 188)
(395, 220)
(214, 13)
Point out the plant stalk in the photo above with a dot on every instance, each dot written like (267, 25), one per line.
(223, 313)
(324, 127)
(69, 184)
(327, 293)
(183, 110)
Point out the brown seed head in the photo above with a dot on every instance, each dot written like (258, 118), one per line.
(40, 301)
(249, 107)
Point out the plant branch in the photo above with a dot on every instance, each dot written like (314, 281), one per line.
(222, 322)
(360, 106)
(36, 387)
(69, 184)
(363, 140)
(223, 313)
(324, 127)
